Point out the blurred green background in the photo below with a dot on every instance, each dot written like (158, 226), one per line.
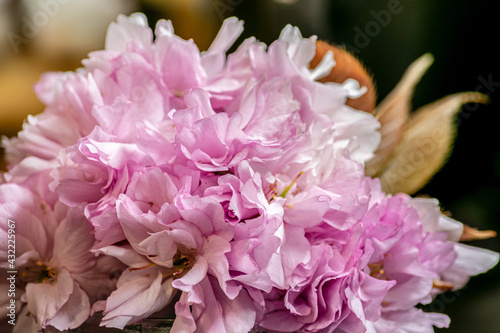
(386, 35)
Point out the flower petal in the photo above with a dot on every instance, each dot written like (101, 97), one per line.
(46, 299)
(74, 312)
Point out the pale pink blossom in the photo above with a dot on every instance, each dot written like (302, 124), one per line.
(53, 262)
(227, 191)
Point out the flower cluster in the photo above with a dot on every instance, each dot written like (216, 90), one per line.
(229, 188)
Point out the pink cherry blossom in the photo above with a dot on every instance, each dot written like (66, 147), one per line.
(58, 277)
(413, 244)
(225, 191)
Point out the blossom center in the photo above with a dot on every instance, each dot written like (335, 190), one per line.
(182, 264)
(37, 272)
(273, 188)
(377, 270)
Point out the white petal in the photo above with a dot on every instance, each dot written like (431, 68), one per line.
(125, 254)
(214, 59)
(324, 67)
(353, 89)
(127, 29)
(164, 28)
(471, 261)
(474, 260)
(433, 221)
(452, 227)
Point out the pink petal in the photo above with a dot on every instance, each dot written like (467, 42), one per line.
(74, 312)
(139, 294)
(72, 243)
(133, 28)
(46, 299)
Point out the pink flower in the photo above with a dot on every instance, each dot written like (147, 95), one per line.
(53, 262)
(231, 186)
(180, 242)
(212, 141)
(178, 64)
(94, 172)
(413, 244)
(69, 98)
(327, 286)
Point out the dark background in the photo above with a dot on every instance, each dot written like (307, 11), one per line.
(462, 35)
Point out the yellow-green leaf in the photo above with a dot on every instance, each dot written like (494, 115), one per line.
(393, 113)
(426, 144)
